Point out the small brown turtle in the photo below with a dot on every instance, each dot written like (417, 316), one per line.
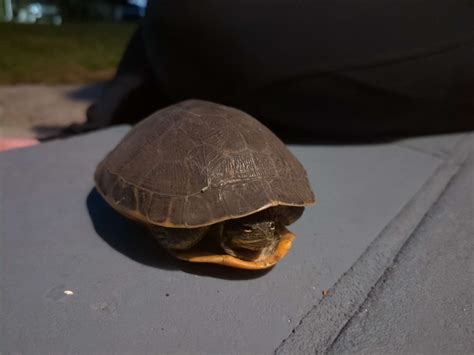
(212, 184)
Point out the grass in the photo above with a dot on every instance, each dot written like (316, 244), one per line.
(70, 53)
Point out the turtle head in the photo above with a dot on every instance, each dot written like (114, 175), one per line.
(251, 237)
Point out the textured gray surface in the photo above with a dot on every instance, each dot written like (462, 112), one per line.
(424, 302)
(129, 296)
(441, 146)
(319, 328)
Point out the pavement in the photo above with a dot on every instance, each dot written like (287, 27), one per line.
(39, 111)
(78, 278)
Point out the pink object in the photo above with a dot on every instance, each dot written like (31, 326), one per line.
(13, 143)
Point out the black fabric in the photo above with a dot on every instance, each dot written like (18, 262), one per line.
(332, 69)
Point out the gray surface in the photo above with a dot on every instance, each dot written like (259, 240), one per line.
(424, 303)
(129, 296)
(319, 328)
(441, 146)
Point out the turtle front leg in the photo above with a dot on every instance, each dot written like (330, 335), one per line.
(178, 238)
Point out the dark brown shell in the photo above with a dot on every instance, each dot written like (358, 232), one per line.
(198, 163)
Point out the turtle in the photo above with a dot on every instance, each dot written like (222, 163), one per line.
(211, 183)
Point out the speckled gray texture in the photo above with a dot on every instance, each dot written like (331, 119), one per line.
(424, 302)
(129, 296)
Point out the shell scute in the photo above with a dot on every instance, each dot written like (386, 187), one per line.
(237, 201)
(198, 212)
(159, 208)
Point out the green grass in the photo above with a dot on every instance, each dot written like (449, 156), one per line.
(70, 53)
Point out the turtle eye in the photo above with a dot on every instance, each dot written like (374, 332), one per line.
(272, 226)
(247, 229)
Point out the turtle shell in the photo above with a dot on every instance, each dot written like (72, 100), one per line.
(197, 163)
